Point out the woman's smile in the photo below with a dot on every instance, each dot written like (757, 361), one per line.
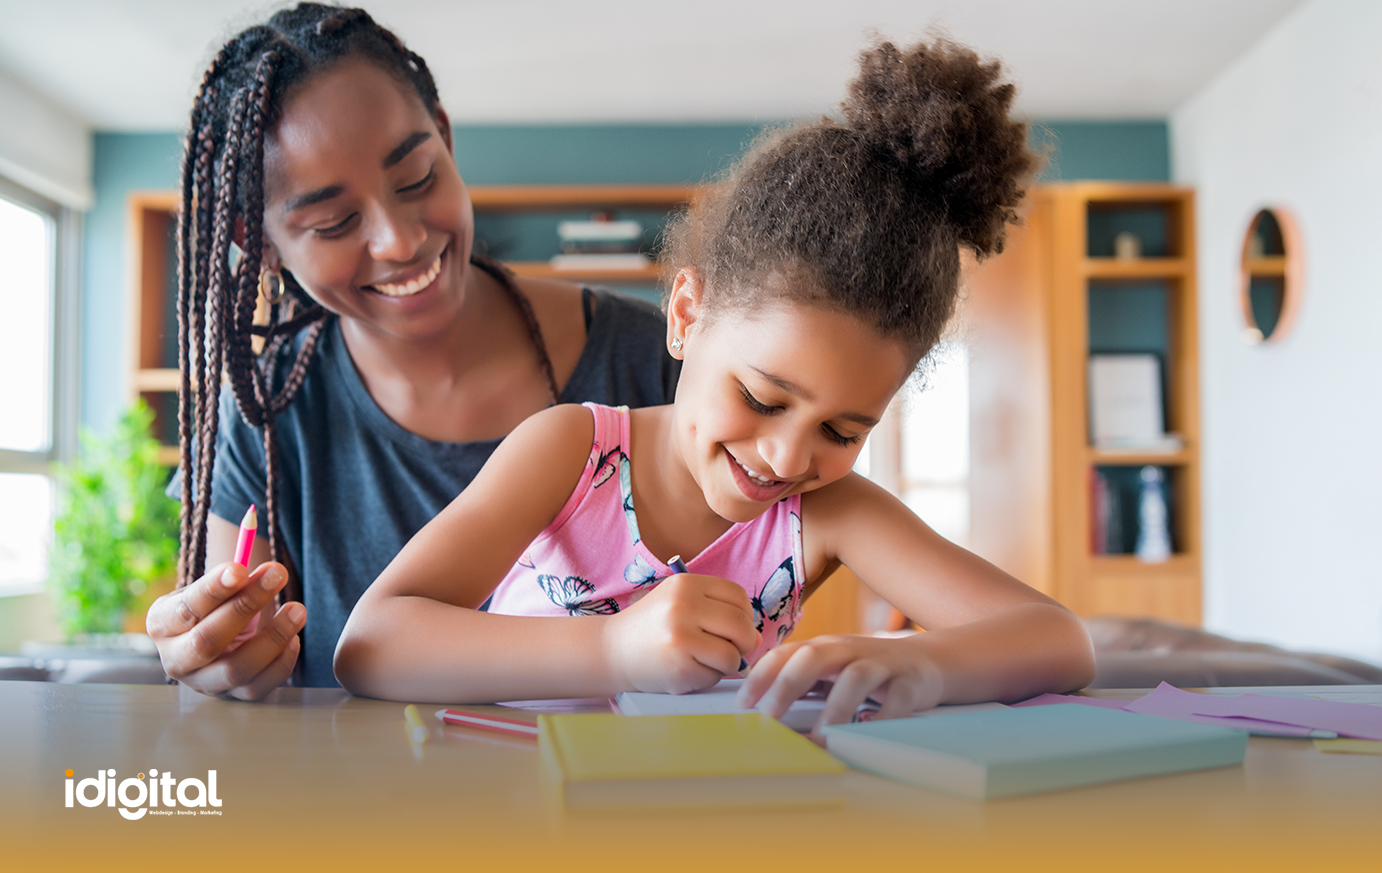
(408, 287)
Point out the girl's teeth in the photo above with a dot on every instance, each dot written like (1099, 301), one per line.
(407, 289)
(754, 476)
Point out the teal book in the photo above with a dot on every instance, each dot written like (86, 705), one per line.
(1001, 753)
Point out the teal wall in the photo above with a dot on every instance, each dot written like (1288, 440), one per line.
(121, 163)
(1129, 151)
(511, 154)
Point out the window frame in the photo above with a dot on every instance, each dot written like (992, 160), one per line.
(66, 348)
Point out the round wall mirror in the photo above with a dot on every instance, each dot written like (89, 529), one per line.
(1271, 275)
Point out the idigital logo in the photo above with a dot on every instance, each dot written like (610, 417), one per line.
(138, 797)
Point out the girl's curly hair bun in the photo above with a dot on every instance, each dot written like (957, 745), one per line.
(867, 213)
(943, 113)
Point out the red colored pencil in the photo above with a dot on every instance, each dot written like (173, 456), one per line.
(516, 726)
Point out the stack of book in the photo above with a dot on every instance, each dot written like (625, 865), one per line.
(600, 244)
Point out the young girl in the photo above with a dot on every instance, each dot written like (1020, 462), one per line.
(807, 286)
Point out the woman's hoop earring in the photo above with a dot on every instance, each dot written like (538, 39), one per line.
(676, 344)
(271, 286)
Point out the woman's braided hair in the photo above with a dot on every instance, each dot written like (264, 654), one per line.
(866, 214)
(222, 185)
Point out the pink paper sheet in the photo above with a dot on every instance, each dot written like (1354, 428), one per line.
(1295, 716)
(1048, 699)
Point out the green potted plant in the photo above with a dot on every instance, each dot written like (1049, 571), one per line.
(116, 532)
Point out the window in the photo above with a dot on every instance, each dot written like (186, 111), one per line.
(920, 452)
(37, 367)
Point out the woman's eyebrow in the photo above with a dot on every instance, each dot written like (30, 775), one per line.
(392, 159)
(407, 146)
(313, 198)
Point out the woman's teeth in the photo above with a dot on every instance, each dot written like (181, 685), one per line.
(754, 477)
(407, 289)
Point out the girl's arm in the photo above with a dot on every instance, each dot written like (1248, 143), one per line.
(988, 636)
(416, 633)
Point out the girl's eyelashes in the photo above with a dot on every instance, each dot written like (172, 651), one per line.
(755, 404)
(830, 433)
(419, 185)
(838, 438)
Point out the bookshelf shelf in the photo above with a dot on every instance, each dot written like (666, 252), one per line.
(1112, 458)
(513, 201)
(544, 270)
(157, 379)
(1130, 565)
(1135, 268)
(1035, 315)
(534, 197)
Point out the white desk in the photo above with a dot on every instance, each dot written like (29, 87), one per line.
(317, 779)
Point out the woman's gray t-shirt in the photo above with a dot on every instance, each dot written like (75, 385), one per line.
(355, 486)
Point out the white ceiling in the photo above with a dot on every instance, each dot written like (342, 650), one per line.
(134, 64)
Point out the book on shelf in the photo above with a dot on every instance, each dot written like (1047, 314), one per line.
(1013, 751)
(1131, 511)
(598, 762)
(612, 262)
(601, 244)
(579, 236)
(1126, 406)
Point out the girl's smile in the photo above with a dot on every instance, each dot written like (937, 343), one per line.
(759, 489)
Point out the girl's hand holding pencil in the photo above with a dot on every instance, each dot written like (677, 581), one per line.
(684, 635)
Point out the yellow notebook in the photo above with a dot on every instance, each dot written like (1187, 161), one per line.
(684, 761)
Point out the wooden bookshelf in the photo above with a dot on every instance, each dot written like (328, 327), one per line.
(152, 297)
(1029, 319)
(508, 199)
(541, 197)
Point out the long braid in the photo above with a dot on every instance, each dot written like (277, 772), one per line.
(194, 223)
(525, 308)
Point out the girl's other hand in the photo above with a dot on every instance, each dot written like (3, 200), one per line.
(683, 636)
(195, 626)
(895, 672)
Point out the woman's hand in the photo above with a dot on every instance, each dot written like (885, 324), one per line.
(194, 628)
(684, 635)
(896, 672)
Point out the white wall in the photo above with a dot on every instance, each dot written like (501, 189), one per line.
(1293, 431)
(43, 147)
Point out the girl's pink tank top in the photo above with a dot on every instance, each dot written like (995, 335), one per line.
(591, 560)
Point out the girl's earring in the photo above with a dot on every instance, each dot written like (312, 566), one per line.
(676, 344)
(271, 285)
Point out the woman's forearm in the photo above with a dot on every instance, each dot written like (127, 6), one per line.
(419, 649)
(1019, 652)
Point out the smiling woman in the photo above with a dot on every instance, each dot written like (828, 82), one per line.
(319, 188)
